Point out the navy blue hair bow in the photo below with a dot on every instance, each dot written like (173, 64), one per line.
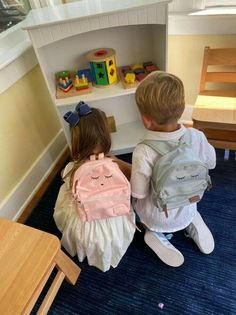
(73, 118)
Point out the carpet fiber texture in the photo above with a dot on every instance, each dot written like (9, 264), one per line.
(203, 285)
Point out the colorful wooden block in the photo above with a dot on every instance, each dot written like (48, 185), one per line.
(139, 70)
(129, 78)
(126, 68)
(141, 76)
(127, 71)
(87, 73)
(100, 73)
(111, 70)
(81, 83)
(147, 63)
(103, 66)
(137, 66)
(151, 68)
(65, 84)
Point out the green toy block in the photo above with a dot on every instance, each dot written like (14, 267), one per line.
(100, 73)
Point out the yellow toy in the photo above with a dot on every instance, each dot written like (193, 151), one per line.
(82, 83)
(129, 78)
(137, 66)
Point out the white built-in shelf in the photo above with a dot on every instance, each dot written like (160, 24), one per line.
(96, 95)
(63, 35)
(127, 137)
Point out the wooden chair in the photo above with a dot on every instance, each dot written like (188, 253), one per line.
(27, 259)
(215, 109)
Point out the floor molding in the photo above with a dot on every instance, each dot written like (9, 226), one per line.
(38, 195)
(21, 195)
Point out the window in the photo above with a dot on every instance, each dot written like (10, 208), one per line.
(210, 3)
(12, 12)
(183, 6)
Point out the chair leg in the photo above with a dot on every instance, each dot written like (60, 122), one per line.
(67, 266)
(48, 299)
(66, 269)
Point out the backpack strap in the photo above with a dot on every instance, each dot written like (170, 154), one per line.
(164, 147)
(186, 138)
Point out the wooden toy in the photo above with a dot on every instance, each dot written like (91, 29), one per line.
(126, 68)
(68, 84)
(141, 76)
(81, 84)
(130, 78)
(131, 75)
(139, 70)
(87, 73)
(64, 81)
(103, 67)
(137, 66)
(147, 63)
(63, 74)
(150, 67)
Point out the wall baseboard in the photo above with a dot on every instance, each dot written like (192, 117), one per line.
(22, 194)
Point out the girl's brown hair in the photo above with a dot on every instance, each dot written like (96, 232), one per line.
(160, 96)
(90, 136)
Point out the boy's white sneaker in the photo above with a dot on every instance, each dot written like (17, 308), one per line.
(200, 233)
(163, 249)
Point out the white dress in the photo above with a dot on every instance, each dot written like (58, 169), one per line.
(103, 242)
(143, 161)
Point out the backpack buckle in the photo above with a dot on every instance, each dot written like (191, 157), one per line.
(165, 210)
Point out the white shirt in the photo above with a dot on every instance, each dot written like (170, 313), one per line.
(143, 161)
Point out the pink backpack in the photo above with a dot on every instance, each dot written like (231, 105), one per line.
(101, 190)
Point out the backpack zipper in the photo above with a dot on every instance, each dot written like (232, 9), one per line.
(120, 197)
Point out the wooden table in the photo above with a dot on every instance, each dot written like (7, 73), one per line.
(27, 258)
(216, 117)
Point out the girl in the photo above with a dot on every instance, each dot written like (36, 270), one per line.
(103, 241)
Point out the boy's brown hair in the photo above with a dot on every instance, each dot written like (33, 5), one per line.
(160, 96)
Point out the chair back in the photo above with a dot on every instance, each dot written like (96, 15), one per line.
(219, 68)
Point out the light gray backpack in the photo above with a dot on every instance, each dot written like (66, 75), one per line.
(179, 178)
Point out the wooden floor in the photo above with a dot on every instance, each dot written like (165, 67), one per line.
(44, 187)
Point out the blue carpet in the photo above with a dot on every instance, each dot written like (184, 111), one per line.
(204, 284)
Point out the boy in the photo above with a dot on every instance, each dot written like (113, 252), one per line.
(160, 100)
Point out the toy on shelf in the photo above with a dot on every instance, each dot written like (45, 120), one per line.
(64, 81)
(87, 73)
(81, 84)
(103, 67)
(150, 67)
(131, 75)
(70, 84)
